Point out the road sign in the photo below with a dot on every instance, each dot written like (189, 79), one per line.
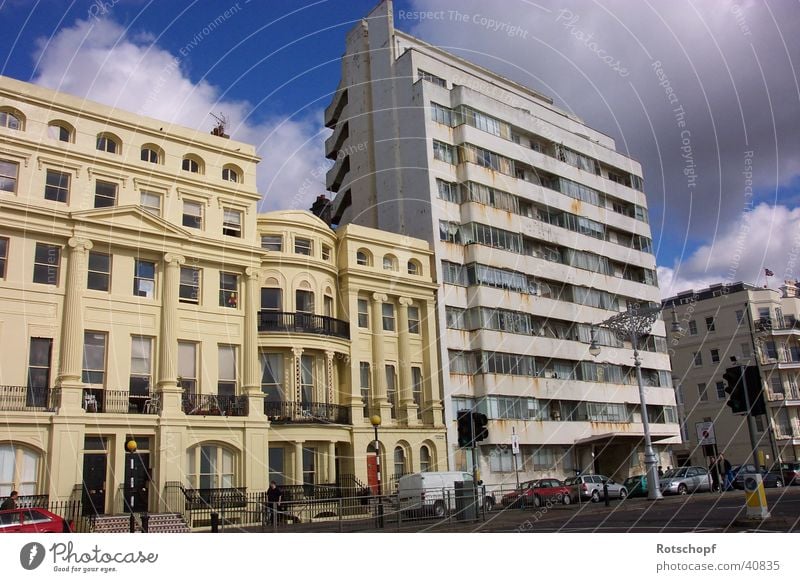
(705, 433)
(514, 444)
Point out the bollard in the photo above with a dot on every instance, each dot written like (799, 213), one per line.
(145, 522)
(605, 492)
(215, 522)
(133, 523)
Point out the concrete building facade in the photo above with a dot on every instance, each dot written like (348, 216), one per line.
(757, 326)
(142, 298)
(539, 228)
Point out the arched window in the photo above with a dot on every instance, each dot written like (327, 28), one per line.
(12, 119)
(399, 462)
(19, 470)
(389, 263)
(211, 467)
(424, 459)
(152, 154)
(192, 164)
(414, 267)
(61, 131)
(109, 143)
(231, 173)
(363, 258)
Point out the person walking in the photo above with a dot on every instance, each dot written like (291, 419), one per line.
(660, 471)
(10, 502)
(274, 498)
(725, 471)
(712, 468)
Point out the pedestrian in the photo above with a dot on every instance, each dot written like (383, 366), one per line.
(10, 502)
(712, 468)
(725, 471)
(274, 498)
(660, 471)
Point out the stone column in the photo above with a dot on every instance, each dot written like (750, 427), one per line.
(331, 462)
(251, 375)
(380, 404)
(298, 462)
(408, 408)
(297, 392)
(168, 387)
(71, 348)
(431, 391)
(330, 396)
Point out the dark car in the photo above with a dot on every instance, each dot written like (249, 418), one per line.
(770, 478)
(636, 485)
(32, 520)
(791, 473)
(537, 493)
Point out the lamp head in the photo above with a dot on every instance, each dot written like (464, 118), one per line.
(131, 446)
(375, 419)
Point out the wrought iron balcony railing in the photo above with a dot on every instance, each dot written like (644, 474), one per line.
(280, 321)
(306, 412)
(214, 405)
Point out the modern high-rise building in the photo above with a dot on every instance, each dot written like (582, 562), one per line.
(540, 231)
(757, 326)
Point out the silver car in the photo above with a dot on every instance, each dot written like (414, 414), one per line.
(683, 480)
(591, 487)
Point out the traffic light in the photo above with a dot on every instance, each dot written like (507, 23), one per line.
(481, 430)
(464, 428)
(755, 391)
(735, 387)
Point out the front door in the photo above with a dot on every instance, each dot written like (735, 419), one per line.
(137, 481)
(94, 483)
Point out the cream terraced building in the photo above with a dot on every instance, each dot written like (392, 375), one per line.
(143, 298)
(539, 228)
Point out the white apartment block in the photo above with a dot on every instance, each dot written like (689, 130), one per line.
(757, 326)
(539, 228)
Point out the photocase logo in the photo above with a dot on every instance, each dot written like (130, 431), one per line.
(31, 555)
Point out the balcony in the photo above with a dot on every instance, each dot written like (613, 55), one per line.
(27, 399)
(214, 405)
(282, 322)
(119, 401)
(788, 394)
(306, 412)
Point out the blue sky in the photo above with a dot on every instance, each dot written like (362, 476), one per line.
(271, 67)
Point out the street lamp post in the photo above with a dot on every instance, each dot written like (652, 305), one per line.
(376, 422)
(632, 325)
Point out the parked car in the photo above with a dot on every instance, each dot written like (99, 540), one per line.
(32, 520)
(791, 473)
(433, 492)
(537, 493)
(772, 478)
(591, 487)
(636, 485)
(683, 480)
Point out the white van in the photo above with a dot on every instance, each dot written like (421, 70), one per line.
(430, 492)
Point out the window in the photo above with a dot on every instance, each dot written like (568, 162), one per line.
(431, 78)
(187, 367)
(8, 176)
(388, 316)
(39, 362)
(693, 327)
(232, 223)
(424, 459)
(416, 384)
(226, 385)
(56, 186)
(193, 165)
(106, 143)
(500, 460)
(304, 301)
(228, 290)
(399, 461)
(307, 379)
(391, 388)
(150, 155)
(441, 114)
(144, 279)
(364, 383)
(746, 350)
(11, 120)
(99, 271)
(448, 191)
(413, 319)
(105, 194)
(192, 214)
(3, 256)
(303, 246)
(272, 242)
(151, 202)
(414, 268)
(443, 152)
(701, 390)
(714, 356)
(363, 258)
(94, 358)
(272, 377)
(211, 467)
(230, 175)
(363, 313)
(739, 316)
(46, 262)
(710, 324)
(389, 263)
(720, 390)
(141, 365)
(189, 290)
(271, 299)
(19, 470)
(327, 306)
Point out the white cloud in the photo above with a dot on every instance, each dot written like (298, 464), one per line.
(101, 61)
(767, 237)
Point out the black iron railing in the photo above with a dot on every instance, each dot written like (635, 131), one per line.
(25, 398)
(214, 405)
(305, 412)
(119, 401)
(280, 321)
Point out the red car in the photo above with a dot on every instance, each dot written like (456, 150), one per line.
(32, 520)
(537, 493)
